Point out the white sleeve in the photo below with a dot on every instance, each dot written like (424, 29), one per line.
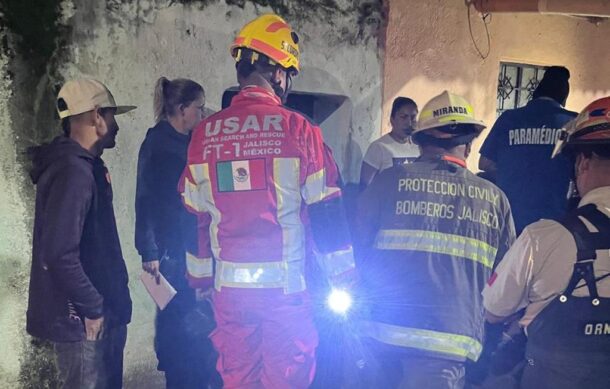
(374, 155)
(507, 290)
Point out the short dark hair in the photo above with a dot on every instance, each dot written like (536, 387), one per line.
(599, 151)
(244, 69)
(65, 126)
(554, 84)
(65, 122)
(400, 102)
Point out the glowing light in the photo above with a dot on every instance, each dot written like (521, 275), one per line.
(339, 301)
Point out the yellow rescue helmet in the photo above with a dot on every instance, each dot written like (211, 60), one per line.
(270, 35)
(447, 109)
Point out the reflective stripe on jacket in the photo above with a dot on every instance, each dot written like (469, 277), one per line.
(431, 232)
(252, 170)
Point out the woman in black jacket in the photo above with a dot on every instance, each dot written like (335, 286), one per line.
(165, 231)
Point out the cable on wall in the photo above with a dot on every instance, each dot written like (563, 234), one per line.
(486, 18)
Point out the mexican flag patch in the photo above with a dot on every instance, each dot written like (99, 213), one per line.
(236, 176)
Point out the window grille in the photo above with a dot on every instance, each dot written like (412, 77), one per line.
(516, 84)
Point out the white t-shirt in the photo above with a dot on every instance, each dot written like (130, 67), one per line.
(538, 267)
(385, 152)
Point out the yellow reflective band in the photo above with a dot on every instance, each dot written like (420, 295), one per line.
(286, 174)
(201, 175)
(287, 192)
(259, 275)
(337, 262)
(437, 242)
(199, 172)
(315, 188)
(192, 197)
(425, 114)
(439, 342)
(198, 267)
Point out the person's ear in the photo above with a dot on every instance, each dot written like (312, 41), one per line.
(98, 117)
(582, 164)
(101, 127)
(277, 74)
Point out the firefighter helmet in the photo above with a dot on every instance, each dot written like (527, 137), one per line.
(447, 110)
(271, 36)
(590, 128)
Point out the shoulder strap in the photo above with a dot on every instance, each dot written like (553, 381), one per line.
(587, 243)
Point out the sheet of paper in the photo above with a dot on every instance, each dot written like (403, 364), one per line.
(162, 293)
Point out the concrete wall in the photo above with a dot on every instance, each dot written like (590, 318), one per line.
(14, 240)
(429, 49)
(128, 45)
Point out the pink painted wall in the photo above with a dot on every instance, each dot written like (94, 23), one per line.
(428, 49)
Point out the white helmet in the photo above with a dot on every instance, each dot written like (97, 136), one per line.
(447, 109)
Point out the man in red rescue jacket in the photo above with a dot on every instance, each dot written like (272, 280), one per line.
(261, 181)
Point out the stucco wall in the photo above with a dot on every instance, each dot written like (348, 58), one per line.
(14, 240)
(429, 49)
(128, 45)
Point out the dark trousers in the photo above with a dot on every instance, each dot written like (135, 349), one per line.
(548, 373)
(397, 368)
(92, 364)
(420, 372)
(184, 351)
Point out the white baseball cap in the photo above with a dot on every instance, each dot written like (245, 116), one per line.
(84, 95)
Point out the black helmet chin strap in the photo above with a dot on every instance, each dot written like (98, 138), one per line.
(462, 134)
(445, 143)
(573, 197)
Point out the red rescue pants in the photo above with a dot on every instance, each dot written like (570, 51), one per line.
(264, 338)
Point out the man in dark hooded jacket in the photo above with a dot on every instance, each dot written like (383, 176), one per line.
(79, 297)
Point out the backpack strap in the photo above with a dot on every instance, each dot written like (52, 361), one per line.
(587, 243)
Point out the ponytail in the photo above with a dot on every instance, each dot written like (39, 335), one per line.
(169, 94)
(159, 99)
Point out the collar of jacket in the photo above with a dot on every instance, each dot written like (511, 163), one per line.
(544, 100)
(168, 129)
(455, 160)
(599, 196)
(447, 158)
(256, 93)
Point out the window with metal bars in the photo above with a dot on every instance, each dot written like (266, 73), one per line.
(516, 84)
